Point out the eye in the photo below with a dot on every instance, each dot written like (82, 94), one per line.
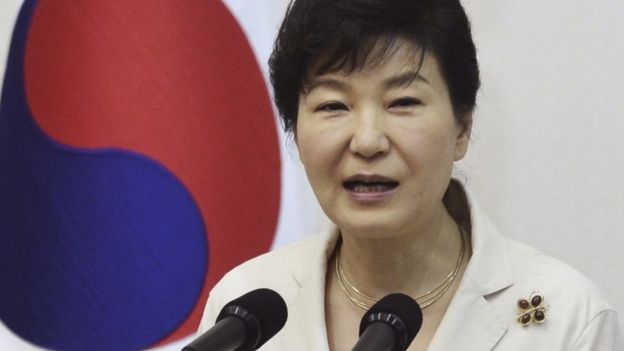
(405, 102)
(333, 106)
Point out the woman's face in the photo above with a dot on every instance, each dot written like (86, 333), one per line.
(378, 147)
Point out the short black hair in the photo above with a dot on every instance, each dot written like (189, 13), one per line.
(334, 35)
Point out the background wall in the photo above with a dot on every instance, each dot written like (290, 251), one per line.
(546, 157)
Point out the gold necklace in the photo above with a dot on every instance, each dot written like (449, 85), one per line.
(423, 300)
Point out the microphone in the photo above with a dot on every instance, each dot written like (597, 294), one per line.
(390, 325)
(245, 323)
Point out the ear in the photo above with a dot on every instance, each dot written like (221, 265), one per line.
(464, 128)
(292, 139)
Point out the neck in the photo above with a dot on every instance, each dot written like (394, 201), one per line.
(412, 263)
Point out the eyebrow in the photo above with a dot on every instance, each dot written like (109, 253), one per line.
(333, 84)
(404, 79)
(401, 80)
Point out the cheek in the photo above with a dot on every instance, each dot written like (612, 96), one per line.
(429, 154)
(306, 145)
(319, 144)
(315, 152)
(426, 142)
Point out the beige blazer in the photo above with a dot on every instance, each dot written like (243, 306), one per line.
(481, 317)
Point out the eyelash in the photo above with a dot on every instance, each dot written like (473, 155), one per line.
(331, 107)
(405, 102)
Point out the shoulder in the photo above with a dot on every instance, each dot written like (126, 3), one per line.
(268, 266)
(532, 268)
(575, 309)
(279, 270)
(506, 271)
(270, 269)
(525, 269)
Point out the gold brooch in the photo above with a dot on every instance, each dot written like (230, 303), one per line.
(532, 310)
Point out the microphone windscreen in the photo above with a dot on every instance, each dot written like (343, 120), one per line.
(403, 307)
(269, 309)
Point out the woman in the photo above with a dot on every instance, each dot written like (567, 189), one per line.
(379, 95)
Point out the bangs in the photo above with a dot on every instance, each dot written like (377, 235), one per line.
(349, 52)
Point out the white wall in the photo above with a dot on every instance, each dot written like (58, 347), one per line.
(547, 151)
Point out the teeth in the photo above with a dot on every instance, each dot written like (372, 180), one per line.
(371, 188)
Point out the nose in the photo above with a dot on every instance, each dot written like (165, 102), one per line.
(369, 137)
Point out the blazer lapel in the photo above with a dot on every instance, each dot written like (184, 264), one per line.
(306, 308)
(473, 322)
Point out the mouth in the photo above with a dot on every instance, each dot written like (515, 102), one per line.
(370, 188)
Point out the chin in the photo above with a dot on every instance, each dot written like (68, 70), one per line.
(369, 226)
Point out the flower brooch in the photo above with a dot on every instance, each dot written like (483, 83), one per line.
(531, 310)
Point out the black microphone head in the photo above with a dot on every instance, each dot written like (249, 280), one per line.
(401, 313)
(264, 313)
